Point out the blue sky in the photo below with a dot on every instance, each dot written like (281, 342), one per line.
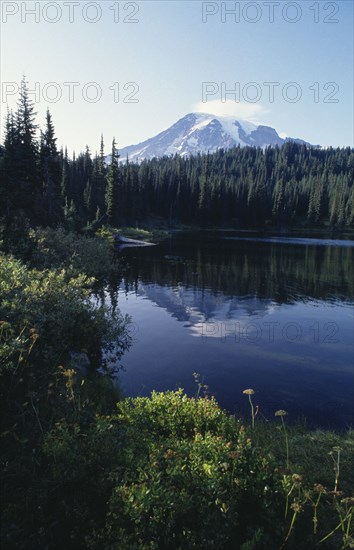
(168, 58)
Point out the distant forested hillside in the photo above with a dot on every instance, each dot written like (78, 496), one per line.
(242, 187)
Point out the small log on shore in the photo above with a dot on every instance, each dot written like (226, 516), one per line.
(120, 240)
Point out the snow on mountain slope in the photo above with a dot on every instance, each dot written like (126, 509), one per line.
(203, 132)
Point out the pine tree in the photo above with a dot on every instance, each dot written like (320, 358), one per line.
(51, 175)
(204, 201)
(27, 194)
(72, 217)
(65, 180)
(128, 190)
(112, 193)
(350, 207)
(89, 201)
(8, 159)
(95, 188)
(101, 178)
(279, 205)
(135, 195)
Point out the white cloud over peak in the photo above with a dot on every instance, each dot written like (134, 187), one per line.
(253, 112)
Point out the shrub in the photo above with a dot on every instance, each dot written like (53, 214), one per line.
(45, 316)
(189, 478)
(92, 255)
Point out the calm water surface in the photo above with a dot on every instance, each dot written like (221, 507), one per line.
(244, 311)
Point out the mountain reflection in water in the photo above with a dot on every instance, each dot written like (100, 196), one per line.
(270, 313)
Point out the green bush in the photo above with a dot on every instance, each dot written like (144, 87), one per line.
(189, 478)
(47, 321)
(92, 255)
(53, 310)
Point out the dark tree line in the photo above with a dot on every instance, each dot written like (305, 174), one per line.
(249, 187)
(240, 187)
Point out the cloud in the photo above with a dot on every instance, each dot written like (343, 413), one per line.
(254, 112)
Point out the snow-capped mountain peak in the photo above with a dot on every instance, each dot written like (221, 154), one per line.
(203, 132)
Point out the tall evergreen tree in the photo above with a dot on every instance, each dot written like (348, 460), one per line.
(8, 159)
(65, 180)
(51, 175)
(279, 205)
(113, 184)
(101, 178)
(204, 201)
(25, 170)
(21, 158)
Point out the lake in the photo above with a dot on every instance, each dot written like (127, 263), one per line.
(244, 310)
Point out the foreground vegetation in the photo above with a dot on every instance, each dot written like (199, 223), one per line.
(84, 468)
(177, 472)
